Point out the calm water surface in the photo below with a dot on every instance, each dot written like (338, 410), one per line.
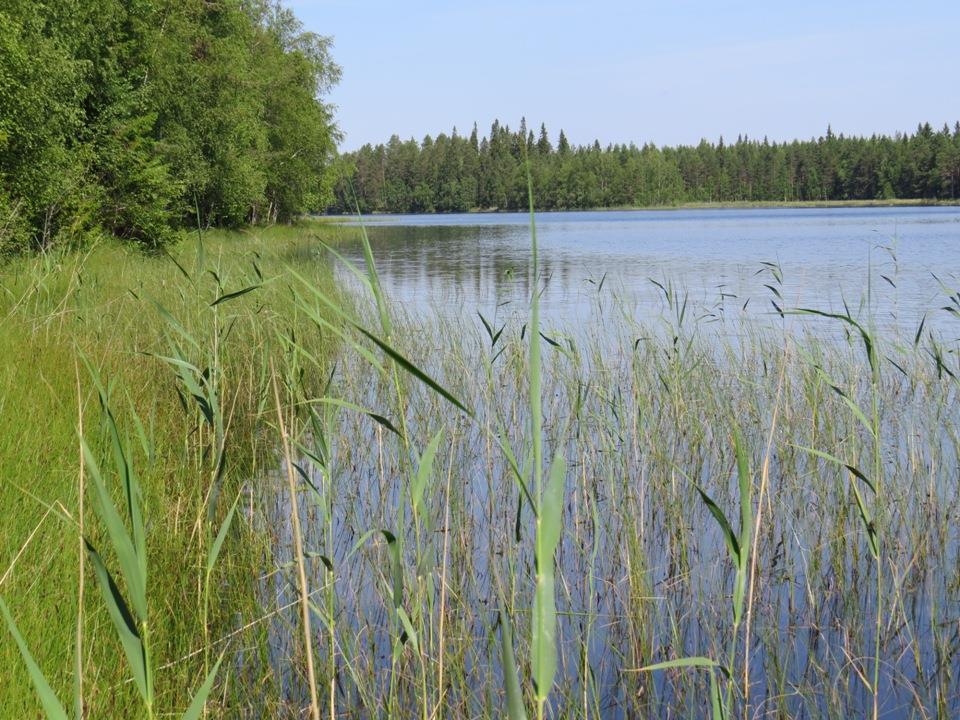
(909, 258)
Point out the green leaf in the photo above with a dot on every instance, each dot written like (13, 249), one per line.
(131, 487)
(385, 325)
(486, 325)
(551, 516)
(117, 532)
(323, 323)
(127, 476)
(355, 271)
(214, 552)
(733, 544)
(543, 644)
(518, 474)
(176, 325)
(179, 266)
(408, 627)
(854, 408)
(346, 404)
(746, 494)
(856, 473)
(717, 705)
(359, 543)
(333, 306)
(549, 528)
(864, 335)
(424, 471)
(201, 253)
(393, 547)
(415, 371)
(697, 661)
(916, 339)
(123, 621)
(48, 699)
(684, 662)
(867, 521)
(508, 663)
(235, 294)
(746, 523)
(862, 510)
(200, 699)
(837, 461)
(187, 372)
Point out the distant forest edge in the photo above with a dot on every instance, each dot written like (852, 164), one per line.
(455, 173)
(140, 118)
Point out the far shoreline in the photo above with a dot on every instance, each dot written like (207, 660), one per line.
(725, 205)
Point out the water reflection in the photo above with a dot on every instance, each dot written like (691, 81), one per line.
(644, 572)
(900, 260)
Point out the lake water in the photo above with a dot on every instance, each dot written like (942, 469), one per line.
(644, 574)
(909, 258)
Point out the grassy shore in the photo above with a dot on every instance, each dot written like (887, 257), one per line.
(122, 312)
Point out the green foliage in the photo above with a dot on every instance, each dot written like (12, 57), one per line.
(51, 704)
(138, 192)
(450, 173)
(508, 660)
(40, 112)
(136, 118)
(739, 549)
(197, 543)
(13, 228)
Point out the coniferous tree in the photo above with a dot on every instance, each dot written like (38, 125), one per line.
(544, 148)
(490, 172)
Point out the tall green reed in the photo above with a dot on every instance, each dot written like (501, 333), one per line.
(871, 520)
(738, 546)
(126, 533)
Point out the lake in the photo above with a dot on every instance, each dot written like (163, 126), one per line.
(906, 256)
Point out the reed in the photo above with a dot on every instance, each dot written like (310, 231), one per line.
(387, 514)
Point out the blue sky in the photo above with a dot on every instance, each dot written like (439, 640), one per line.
(663, 72)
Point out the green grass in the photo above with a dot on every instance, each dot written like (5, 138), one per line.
(123, 310)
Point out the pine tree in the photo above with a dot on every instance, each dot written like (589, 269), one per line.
(473, 140)
(544, 147)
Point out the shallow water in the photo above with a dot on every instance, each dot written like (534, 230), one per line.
(643, 572)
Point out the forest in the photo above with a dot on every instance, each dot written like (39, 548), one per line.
(454, 173)
(135, 118)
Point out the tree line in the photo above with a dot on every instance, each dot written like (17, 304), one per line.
(138, 117)
(455, 173)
